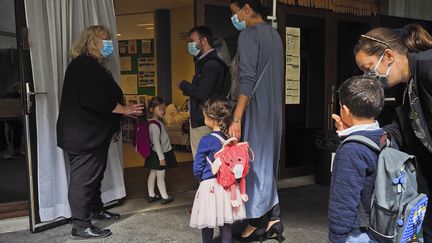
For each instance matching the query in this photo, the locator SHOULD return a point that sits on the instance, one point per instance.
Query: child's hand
(162, 162)
(339, 124)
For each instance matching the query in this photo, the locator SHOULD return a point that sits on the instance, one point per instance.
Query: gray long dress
(262, 126)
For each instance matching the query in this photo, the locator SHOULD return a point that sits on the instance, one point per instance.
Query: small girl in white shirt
(162, 156)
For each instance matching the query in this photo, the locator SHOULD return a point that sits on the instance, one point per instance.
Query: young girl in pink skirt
(212, 206)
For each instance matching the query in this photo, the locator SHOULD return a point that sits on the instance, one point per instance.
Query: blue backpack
(397, 209)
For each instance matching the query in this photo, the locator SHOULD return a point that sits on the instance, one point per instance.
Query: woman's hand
(133, 111)
(162, 162)
(339, 124)
(235, 130)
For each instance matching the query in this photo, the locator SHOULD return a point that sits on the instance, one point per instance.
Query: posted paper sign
(126, 63)
(128, 83)
(292, 71)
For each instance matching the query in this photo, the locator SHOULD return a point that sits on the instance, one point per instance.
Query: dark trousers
(273, 214)
(86, 174)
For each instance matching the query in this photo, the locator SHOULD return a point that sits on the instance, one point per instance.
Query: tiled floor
(178, 179)
(132, 159)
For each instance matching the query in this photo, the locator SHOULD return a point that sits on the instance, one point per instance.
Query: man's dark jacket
(209, 72)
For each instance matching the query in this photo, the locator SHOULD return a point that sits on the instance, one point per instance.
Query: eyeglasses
(376, 40)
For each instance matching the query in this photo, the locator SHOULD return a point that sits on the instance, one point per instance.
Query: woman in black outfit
(89, 118)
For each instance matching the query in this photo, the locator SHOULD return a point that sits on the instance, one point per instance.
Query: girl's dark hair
(256, 6)
(219, 109)
(376, 41)
(155, 101)
(416, 38)
(363, 95)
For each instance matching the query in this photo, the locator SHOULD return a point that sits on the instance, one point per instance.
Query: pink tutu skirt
(212, 206)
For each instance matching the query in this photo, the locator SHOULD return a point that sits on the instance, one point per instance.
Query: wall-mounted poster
(123, 47)
(128, 83)
(142, 64)
(292, 72)
(184, 35)
(125, 63)
(132, 47)
(146, 47)
(146, 72)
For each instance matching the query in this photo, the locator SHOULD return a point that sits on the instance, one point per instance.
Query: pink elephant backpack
(235, 164)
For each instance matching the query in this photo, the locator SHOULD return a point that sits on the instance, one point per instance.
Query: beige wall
(182, 63)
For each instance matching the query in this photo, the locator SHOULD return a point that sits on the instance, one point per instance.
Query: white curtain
(54, 25)
(415, 9)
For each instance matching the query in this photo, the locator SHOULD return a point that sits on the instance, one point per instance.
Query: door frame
(28, 107)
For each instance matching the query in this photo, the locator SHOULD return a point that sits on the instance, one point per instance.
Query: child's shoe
(153, 199)
(167, 200)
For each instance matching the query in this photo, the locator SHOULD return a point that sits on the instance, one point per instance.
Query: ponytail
(416, 38)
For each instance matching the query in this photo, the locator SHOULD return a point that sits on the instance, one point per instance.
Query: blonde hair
(86, 44)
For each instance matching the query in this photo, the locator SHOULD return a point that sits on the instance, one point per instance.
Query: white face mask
(383, 78)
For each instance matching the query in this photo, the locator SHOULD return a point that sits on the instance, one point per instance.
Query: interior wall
(183, 67)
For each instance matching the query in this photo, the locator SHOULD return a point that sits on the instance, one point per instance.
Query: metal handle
(29, 93)
(36, 93)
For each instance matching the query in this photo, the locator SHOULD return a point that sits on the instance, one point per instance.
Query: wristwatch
(237, 120)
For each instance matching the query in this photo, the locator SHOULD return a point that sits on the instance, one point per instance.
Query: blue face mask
(192, 49)
(239, 25)
(107, 48)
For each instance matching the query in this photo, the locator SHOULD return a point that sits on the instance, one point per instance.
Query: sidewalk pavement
(303, 212)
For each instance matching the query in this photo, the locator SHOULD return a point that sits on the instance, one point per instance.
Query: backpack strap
(364, 221)
(224, 67)
(218, 137)
(363, 140)
(260, 77)
(156, 123)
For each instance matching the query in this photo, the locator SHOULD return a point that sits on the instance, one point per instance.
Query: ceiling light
(118, 34)
(141, 25)
(150, 28)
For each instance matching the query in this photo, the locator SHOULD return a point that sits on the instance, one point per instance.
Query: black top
(208, 73)
(89, 96)
(401, 129)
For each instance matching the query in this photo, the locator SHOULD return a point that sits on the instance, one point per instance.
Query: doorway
(303, 117)
(17, 116)
(13, 163)
(152, 43)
